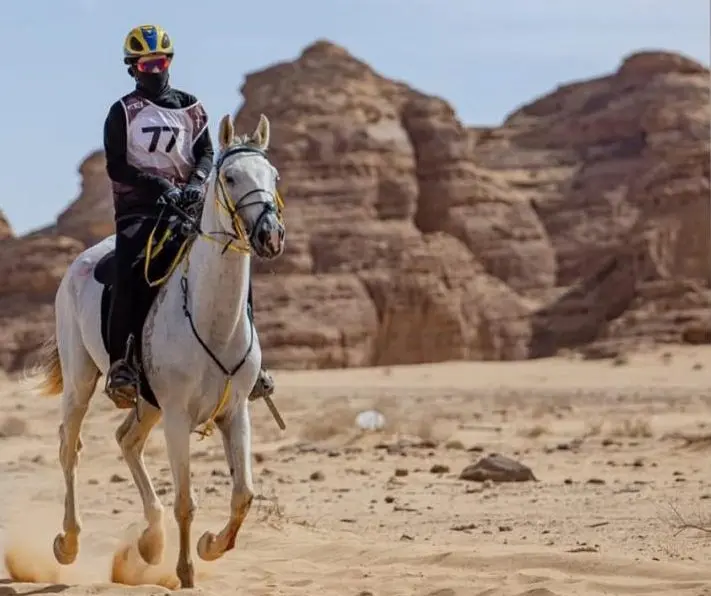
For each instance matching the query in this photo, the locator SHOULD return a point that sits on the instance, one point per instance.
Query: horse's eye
(229, 180)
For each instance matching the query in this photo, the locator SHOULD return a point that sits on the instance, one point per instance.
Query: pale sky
(62, 62)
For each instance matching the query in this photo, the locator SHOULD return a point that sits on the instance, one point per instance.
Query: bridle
(241, 239)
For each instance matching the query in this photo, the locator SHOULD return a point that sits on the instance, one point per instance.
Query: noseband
(240, 235)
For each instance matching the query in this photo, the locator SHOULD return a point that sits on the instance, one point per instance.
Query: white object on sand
(370, 420)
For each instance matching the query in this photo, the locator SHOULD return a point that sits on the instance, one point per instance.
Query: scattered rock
(463, 528)
(439, 469)
(317, 476)
(116, 478)
(497, 468)
(454, 444)
(400, 472)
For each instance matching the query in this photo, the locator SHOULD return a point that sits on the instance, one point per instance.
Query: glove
(171, 196)
(192, 193)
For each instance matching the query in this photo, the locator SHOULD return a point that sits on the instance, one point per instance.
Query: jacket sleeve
(203, 153)
(118, 169)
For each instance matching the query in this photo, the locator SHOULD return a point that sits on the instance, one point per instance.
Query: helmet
(145, 40)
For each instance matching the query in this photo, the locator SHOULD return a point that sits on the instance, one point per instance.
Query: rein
(238, 241)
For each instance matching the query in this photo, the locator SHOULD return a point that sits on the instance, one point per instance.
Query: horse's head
(250, 207)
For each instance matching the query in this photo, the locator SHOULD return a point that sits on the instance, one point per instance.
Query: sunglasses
(153, 64)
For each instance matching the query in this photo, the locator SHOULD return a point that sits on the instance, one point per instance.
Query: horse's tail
(50, 368)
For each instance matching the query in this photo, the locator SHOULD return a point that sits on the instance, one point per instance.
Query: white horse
(243, 209)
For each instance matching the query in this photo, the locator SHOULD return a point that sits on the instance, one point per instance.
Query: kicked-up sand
(620, 450)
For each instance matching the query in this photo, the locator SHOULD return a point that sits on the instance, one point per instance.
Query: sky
(62, 62)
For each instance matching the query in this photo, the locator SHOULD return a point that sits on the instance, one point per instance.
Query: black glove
(192, 193)
(171, 196)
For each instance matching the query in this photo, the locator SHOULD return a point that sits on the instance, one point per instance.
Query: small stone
(458, 445)
(497, 468)
(317, 476)
(389, 499)
(439, 469)
(400, 472)
(595, 481)
(116, 478)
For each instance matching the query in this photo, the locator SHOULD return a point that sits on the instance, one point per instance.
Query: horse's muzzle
(270, 238)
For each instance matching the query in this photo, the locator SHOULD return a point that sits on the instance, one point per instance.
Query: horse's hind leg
(80, 375)
(236, 438)
(131, 437)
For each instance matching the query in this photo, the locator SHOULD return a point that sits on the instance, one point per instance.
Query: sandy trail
(607, 443)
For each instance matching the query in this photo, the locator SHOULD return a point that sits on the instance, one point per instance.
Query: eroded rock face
(90, 217)
(411, 238)
(5, 229)
(31, 272)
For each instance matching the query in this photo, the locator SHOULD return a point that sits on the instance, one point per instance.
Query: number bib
(160, 140)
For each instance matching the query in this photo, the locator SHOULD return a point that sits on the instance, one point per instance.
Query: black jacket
(148, 187)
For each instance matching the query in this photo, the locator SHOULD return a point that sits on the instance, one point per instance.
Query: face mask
(152, 83)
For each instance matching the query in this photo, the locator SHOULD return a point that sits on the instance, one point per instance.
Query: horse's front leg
(131, 437)
(177, 438)
(236, 438)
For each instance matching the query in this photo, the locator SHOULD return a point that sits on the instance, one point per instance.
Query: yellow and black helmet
(145, 40)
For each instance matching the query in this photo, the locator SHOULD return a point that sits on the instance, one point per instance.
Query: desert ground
(619, 449)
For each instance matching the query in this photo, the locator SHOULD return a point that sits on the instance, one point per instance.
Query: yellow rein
(242, 247)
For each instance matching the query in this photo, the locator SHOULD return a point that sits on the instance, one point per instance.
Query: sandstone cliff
(583, 218)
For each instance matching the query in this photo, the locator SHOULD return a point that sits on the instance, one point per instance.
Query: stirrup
(122, 381)
(263, 387)
(122, 385)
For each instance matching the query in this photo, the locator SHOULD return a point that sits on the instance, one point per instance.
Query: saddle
(168, 241)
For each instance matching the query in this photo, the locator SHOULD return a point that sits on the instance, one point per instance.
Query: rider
(157, 144)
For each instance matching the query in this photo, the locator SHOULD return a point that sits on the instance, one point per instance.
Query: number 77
(156, 132)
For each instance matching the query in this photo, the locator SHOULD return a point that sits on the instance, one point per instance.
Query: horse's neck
(218, 283)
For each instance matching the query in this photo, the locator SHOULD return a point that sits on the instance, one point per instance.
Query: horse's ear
(227, 132)
(261, 133)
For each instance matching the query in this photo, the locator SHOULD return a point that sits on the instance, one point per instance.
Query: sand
(617, 447)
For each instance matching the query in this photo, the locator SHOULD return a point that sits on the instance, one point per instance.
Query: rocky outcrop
(90, 217)
(5, 229)
(30, 272)
(412, 238)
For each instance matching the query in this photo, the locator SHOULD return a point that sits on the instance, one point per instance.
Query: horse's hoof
(206, 547)
(63, 555)
(150, 546)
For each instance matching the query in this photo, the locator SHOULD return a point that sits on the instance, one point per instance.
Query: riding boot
(122, 380)
(122, 384)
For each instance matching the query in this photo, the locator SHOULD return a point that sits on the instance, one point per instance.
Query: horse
(197, 325)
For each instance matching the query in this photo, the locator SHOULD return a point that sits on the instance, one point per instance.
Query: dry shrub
(621, 359)
(632, 428)
(593, 428)
(535, 431)
(268, 508)
(332, 422)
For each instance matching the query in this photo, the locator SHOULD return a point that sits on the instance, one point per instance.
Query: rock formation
(412, 238)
